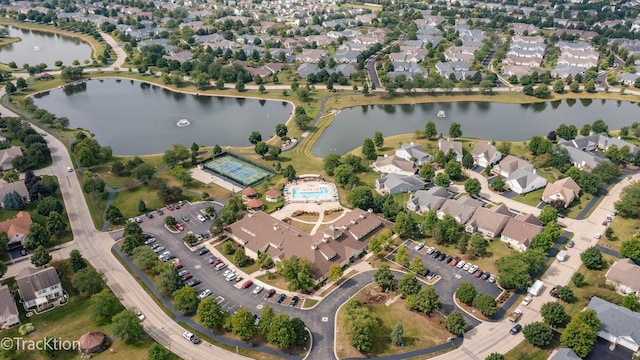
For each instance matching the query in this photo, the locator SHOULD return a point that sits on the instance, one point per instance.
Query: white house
(624, 274)
(396, 184)
(565, 190)
(394, 165)
(9, 315)
(414, 152)
(485, 154)
(39, 288)
(523, 181)
(447, 146)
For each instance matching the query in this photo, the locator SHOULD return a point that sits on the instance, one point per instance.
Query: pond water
(484, 120)
(43, 47)
(137, 118)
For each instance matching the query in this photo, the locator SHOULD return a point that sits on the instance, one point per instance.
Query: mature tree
(281, 332)
(381, 242)
(48, 204)
(553, 313)
(131, 242)
(185, 299)
(378, 139)
(404, 229)
(297, 272)
(430, 129)
(397, 335)
(159, 352)
(592, 258)
(599, 126)
(472, 187)
(455, 323)
(443, 180)
(88, 281)
(168, 279)
(360, 325)
(361, 197)
(177, 154)
(453, 169)
(113, 215)
(447, 230)
(13, 201)
(103, 305)
(261, 148)
(126, 325)
(417, 266)
(567, 132)
(628, 204)
(289, 172)
(486, 304)
(335, 272)
(498, 184)
(455, 130)
(631, 248)
(255, 137)
(76, 260)
(331, 162)
(281, 130)
(467, 161)
(578, 279)
(40, 257)
(466, 292)
(38, 236)
(579, 337)
(266, 316)
(538, 334)
(408, 285)
(239, 257)
(477, 246)
(369, 149)
(548, 214)
(630, 301)
(144, 257)
(427, 172)
(425, 301)
(565, 293)
(514, 272)
(242, 324)
(384, 278)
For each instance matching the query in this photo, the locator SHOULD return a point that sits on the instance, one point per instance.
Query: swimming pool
(323, 193)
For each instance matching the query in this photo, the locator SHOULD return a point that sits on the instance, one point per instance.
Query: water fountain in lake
(183, 123)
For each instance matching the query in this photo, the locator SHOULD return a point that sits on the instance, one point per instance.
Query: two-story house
(39, 288)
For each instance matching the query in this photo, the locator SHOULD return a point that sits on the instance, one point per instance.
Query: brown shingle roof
(249, 191)
(254, 204)
(625, 272)
(273, 193)
(521, 231)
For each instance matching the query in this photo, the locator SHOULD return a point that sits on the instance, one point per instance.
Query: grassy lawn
(526, 351)
(623, 229)
(532, 198)
(309, 303)
(274, 279)
(127, 201)
(307, 217)
(577, 205)
(333, 216)
(302, 226)
(251, 266)
(594, 286)
(419, 331)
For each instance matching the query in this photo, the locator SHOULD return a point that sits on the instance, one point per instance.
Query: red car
(478, 273)
(247, 284)
(178, 265)
(169, 207)
(455, 261)
(216, 262)
(187, 277)
(179, 227)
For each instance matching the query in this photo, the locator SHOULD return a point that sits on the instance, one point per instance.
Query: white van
(562, 255)
(187, 335)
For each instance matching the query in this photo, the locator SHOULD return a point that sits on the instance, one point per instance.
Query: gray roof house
(485, 154)
(306, 69)
(581, 159)
(39, 288)
(459, 69)
(522, 181)
(394, 165)
(7, 156)
(565, 354)
(510, 164)
(424, 200)
(618, 325)
(461, 209)
(345, 69)
(489, 222)
(447, 146)
(346, 56)
(9, 315)
(17, 186)
(414, 152)
(396, 184)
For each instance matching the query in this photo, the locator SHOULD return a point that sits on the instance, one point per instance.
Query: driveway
(601, 352)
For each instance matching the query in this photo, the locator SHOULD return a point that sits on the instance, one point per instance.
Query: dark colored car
(194, 282)
(435, 254)
(281, 298)
(196, 340)
(516, 329)
(203, 251)
(159, 211)
(268, 294)
(442, 256)
(448, 259)
(212, 260)
(185, 217)
(294, 301)
(149, 215)
(554, 291)
(485, 275)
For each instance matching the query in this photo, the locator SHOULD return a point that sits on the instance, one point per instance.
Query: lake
(43, 47)
(484, 120)
(137, 118)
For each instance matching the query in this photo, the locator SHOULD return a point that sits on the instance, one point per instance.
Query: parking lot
(449, 278)
(199, 266)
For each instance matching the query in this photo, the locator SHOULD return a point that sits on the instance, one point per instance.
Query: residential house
(17, 186)
(618, 325)
(485, 154)
(346, 56)
(459, 69)
(17, 228)
(407, 69)
(447, 146)
(396, 184)
(583, 160)
(624, 274)
(598, 142)
(565, 354)
(461, 209)
(510, 164)
(564, 189)
(394, 165)
(522, 181)
(7, 156)
(39, 288)
(424, 200)
(341, 242)
(520, 230)
(9, 315)
(521, 28)
(415, 153)
(311, 55)
(460, 53)
(489, 222)
(307, 69)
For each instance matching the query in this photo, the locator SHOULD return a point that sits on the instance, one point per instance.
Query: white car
(526, 301)
(461, 264)
(139, 314)
(204, 294)
(201, 218)
(69, 169)
(467, 266)
(257, 289)
(597, 236)
(418, 246)
(231, 276)
(227, 272)
(473, 269)
(430, 250)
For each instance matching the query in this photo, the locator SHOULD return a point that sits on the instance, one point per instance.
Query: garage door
(628, 343)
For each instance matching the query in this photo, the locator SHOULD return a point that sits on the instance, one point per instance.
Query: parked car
(554, 291)
(203, 251)
(435, 254)
(149, 241)
(204, 294)
(193, 282)
(418, 246)
(473, 269)
(515, 329)
(485, 276)
(212, 260)
(158, 249)
(227, 272)
(159, 211)
(187, 277)
(478, 273)
(221, 266)
(257, 290)
(442, 256)
(268, 294)
(231, 276)
(196, 340)
(597, 236)
(526, 301)
(281, 298)
(169, 207)
(185, 217)
(139, 314)
(183, 272)
(461, 264)
(216, 262)
(247, 284)
(294, 301)
(448, 259)
(201, 218)
(137, 219)
(467, 266)
(430, 250)
(179, 227)
(149, 215)
(431, 276)
(492, 279)
(571, 244)
(454, 261)
(178, 265)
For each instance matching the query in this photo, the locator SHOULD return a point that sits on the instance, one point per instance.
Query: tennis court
(237, 170)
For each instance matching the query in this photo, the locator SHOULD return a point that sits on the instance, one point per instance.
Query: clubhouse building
(341, 242)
